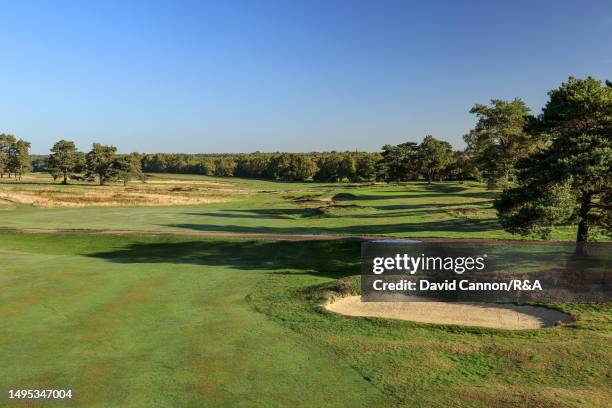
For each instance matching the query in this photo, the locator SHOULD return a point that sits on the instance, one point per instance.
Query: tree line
(14, 156)
(555, 168)
(432, 159)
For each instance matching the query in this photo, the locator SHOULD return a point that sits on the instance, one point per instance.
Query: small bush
(344, 287)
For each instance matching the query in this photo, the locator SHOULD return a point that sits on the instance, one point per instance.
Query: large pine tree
(570, 181)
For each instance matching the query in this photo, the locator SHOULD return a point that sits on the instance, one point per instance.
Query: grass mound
(344, 197)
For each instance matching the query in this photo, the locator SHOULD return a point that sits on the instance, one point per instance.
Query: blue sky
(232, 76)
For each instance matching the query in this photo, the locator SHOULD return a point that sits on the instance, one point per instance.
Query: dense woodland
(554, 168)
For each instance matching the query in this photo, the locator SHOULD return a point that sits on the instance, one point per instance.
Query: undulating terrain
(132, 321)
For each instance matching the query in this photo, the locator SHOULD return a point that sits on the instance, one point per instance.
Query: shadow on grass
(273, 213)
(417, 195)
(331, 259)
(452, 225)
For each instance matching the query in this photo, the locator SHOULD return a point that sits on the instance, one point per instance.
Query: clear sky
(229, 76)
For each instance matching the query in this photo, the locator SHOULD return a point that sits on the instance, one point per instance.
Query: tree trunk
(582, 236)
(65, 178)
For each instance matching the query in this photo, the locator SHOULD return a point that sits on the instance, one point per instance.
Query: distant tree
(498, 140)
(205, 166)
(303, 167)
(292, 167)
(39, 162)
(328, 167)
(6, 141)
(128, 167)
(346, 168)
(63, 159)
(99, 162)
(433, 157)
(461, 167)
(399, 163)
(80, 165)
(155, 163)
(365, 166)
(224, 167)
(3, 162)
(19, 160)
(571, 180)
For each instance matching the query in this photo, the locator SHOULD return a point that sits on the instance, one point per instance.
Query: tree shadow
(423, 206)
(331, 259)
(452, 225)
(272, 213)
(416, 195)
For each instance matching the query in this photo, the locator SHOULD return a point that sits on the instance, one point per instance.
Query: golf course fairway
(176, 321)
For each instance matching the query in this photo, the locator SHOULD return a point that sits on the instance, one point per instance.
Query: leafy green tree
(346, 168)
(63, 159)
(3, 162)
(99, 162)
(6, 141)
(80, 165)
(128, 167)
(328, 167)
(366, 165)
(19, 160)
(433, 157)
(498, 140)
(399, 163)
(461, 167)
(303, 167)
(571, 180)
(205, 166)
(292, 167)
(224, 167)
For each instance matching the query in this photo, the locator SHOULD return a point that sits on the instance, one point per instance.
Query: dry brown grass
(82, 196)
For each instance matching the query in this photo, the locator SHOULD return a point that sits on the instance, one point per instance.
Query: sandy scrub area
(506, 316)
(108, 196)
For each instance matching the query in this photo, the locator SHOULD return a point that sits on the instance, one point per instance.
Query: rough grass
(42, 192)
(428, 365)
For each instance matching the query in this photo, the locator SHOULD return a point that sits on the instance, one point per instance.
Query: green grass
(146, 321)
(408, 210)
(155, 328)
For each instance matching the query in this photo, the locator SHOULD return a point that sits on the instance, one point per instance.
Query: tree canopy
(571, 180)
(99, 162)
(63, 159)
(499, 139)
(433, 157)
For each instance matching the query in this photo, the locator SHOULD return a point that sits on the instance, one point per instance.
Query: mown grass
(145, 322)
(174, 321)
(253, 206)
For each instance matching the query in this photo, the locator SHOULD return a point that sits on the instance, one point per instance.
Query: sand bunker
(468, 314)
